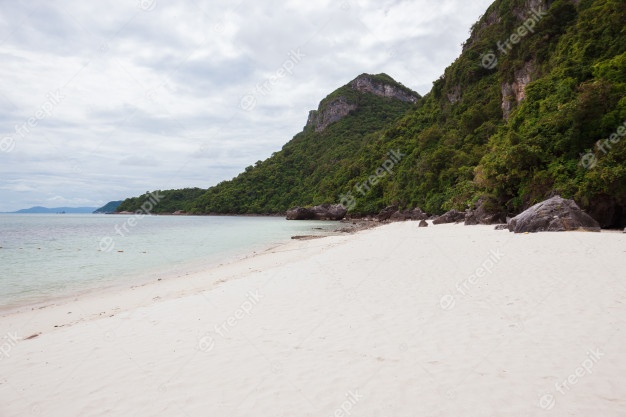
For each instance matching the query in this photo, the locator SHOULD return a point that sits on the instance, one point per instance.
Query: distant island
(109, 207)
(61, 210)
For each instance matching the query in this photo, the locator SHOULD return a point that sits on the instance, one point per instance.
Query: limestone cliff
(339, 104)
(515, 91)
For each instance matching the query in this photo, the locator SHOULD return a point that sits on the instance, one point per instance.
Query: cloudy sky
(105, 100)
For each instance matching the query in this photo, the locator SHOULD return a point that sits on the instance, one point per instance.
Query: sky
(101, 101)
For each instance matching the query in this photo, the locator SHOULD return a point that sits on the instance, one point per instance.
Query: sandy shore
(394, 321)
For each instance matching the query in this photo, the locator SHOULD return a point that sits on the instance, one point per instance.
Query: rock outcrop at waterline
(321, 212)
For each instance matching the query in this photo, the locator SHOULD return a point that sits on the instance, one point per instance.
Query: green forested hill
(535, 105)
(310, 169)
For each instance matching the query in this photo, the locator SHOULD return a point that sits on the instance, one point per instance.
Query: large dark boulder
(321, 212)
(553, 215)
(300, 213)
(386, 213)
(452, 216)
(329, 212)
(484, 213)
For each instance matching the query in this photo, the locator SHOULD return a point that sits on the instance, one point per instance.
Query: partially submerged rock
(452, 216)
(300, 213)
(502, 227)
(329, 212)
(321, 212)
(553, 215)
(423, 223)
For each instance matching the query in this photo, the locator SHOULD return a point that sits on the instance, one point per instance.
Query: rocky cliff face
(365, 83)
(514, 92)
(331, 111)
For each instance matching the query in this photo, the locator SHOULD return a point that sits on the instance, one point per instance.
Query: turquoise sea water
(49, 255)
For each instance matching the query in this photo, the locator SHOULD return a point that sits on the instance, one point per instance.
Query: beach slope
(394, 321)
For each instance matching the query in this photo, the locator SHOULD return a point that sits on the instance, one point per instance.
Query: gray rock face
(367, 84)
(502, 227)
(329, 212)
(452, 216)
(553, 215)
(322, 212)
(340, 107)
(424, 223)
(333, 112)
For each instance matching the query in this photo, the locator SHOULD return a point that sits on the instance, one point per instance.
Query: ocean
(43, 256)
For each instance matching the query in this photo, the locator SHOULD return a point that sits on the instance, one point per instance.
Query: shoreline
(98, 298)
(129, 280)
(448, 314)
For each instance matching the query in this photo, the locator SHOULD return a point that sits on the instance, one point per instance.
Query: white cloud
(152, 99)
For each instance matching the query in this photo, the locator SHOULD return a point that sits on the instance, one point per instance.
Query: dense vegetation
(464, 141)
(308, 170)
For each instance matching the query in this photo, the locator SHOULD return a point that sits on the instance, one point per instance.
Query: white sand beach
(395, 321)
